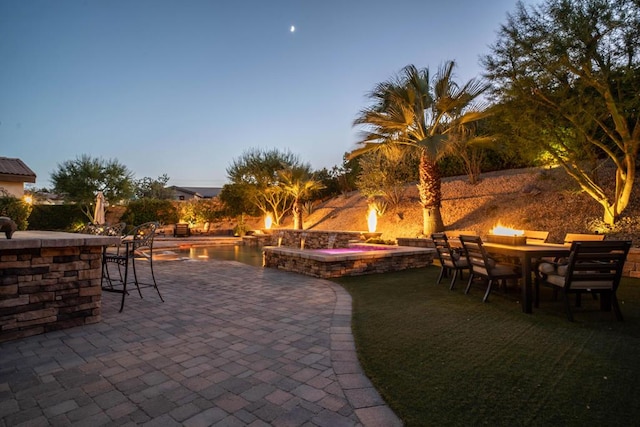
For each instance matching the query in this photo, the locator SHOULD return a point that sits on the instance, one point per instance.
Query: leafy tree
(80, 180)
(412, 112)
(153, 188)
(385, 173)
(567, 78)
(258, 173)
(237, 200)
(470, 149)
(339, 179)
(209, 210)
(200, 210)
(300, 185)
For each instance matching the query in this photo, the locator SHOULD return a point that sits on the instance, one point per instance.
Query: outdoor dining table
(527, 254)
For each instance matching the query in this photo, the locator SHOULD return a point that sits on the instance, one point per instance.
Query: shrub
(146, 210)
(57, 217)
(16, 209)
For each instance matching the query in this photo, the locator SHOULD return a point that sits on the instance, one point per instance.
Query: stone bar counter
(49, 281)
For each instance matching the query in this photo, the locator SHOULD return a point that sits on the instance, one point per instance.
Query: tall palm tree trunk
(430, 191)
(297, 216)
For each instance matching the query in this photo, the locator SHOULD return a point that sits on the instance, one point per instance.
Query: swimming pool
(244, 254)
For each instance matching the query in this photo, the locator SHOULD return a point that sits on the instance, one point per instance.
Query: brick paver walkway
(233, 345)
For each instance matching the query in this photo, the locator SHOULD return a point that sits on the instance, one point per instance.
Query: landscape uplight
(372, 220)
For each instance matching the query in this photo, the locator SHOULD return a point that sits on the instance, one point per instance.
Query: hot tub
(354, 260)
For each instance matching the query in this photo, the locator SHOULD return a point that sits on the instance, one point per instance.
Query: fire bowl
(507, 240)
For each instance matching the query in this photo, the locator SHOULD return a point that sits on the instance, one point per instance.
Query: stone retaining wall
(632, 266)
(313, 239)
(415, 242)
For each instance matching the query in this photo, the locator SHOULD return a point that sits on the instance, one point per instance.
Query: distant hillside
(534, 199)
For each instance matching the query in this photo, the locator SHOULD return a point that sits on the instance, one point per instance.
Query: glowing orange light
(28, 200)
(501, 230)
(268, 222)
(372, 220)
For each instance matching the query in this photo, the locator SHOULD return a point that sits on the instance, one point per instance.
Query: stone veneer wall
(632, 266)
(49, 288)
(313, 239)
(415, 242)
(348, 265)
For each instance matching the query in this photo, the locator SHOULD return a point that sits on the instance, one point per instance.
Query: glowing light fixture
(268, 221)
(372, 220)
(28, 200)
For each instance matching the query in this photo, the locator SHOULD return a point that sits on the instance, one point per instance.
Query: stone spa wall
(368, 260)
(313, 239)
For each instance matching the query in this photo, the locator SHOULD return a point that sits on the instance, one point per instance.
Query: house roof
(204, 192)
(14, 170)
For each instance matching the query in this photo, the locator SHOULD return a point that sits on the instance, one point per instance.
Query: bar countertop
(53, 239)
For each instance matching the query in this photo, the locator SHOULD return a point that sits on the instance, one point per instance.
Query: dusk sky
(184, 87)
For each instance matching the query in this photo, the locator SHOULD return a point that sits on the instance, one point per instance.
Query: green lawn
(440, 357)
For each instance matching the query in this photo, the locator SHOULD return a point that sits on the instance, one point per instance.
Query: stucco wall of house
(15, 189)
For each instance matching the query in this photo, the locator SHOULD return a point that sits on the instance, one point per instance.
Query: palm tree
(410, 112)
(299, 185)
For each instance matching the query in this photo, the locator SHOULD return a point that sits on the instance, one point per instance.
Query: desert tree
(386, 173)
(300, 185)
(79, 180)
(566, 76)
(257, 174)
(150, 188)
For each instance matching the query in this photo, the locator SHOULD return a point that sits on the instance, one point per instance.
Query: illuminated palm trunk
(430, 191)
(297, 216)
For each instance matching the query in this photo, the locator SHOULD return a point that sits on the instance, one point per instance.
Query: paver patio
(232, 345)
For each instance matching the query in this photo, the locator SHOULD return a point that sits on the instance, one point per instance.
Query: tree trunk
(430, 191)
(609, 218)
(432, 221)
(297, 216)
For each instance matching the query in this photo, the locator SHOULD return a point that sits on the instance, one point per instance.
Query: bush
(15, 209)
(493, 160)
(57, 217)
(146, 210)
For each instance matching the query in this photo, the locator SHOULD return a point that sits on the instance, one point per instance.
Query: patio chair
(104, 230)
(450, 259)
(115, 230)
(569, 238)
(138, 244)
(536, 236)
(546, 265)
(593, 267)
(181, 230)
(485, 267)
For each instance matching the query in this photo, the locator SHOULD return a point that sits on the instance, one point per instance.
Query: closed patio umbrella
(98, 214)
